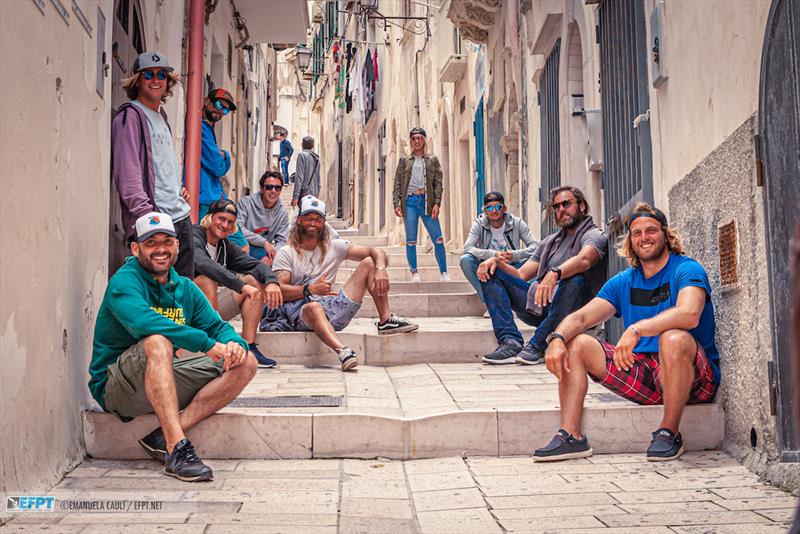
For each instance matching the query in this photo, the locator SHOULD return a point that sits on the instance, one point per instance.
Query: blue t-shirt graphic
(635, 297)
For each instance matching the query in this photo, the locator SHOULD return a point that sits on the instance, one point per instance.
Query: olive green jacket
(433, 182)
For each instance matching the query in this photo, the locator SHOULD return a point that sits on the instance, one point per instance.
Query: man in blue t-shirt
(666, 354)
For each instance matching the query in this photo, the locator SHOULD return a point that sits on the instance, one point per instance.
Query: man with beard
(233, 281)
(306, 269)
(567, 270)
(666, 354)
(215, 162)
(147, 313)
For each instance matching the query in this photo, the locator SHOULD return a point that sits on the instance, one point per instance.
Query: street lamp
(303, 57)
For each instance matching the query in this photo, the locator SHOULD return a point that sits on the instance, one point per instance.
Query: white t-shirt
(498, 238)
(212, 251)
(417, 180)
(308, 266)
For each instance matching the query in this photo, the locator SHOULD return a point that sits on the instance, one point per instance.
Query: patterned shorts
(642, 383)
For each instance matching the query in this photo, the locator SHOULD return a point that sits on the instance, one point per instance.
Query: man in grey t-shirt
(567, 270)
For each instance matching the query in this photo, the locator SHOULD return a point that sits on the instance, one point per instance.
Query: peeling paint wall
(53, 243)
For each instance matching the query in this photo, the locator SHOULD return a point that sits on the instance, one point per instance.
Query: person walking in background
(495, 234)
(215, 162)
(306, 173)
(144, 165)
(285, 155)
(417, 194)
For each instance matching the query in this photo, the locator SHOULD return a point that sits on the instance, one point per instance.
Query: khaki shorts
(226, 299)
(125, 394)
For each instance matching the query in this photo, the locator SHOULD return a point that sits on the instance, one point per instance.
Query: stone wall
(720, 189)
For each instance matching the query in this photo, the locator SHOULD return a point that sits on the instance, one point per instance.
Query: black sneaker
(184, 464)
(348, 358)
(530, 355)
(665, 446)
(505, 353)
(155, 445)
(395, 325)
(263, 361)
(563, 447)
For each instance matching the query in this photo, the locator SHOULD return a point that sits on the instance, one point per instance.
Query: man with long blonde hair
(666, 354)
(306, 269)
(144, 165)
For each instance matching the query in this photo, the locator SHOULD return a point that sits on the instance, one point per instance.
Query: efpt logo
(30, 503)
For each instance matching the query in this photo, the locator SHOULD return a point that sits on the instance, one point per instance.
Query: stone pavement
(703, 492)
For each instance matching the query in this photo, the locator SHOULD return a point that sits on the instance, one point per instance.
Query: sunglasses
(493, 207)
(565, 204)
(220, 106)
(161, 74)
(268, 187)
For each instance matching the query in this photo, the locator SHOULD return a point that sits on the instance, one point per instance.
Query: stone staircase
(418, 395)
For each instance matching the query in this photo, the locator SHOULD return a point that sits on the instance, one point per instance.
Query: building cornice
(474, 18)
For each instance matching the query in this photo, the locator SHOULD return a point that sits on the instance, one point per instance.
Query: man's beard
(147, 265)
(208, 116)
(655, 254)
(309, 233)
(571, 223)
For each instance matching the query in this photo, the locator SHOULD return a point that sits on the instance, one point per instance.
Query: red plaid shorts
(642, 383)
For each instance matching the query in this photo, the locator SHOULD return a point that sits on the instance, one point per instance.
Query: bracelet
(635, 330)
(306, 291)
(554, 335)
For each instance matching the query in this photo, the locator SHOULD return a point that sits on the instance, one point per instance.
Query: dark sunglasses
(161, 74)
(220, 106)
(565, 204)
(267, 187)
(494, 207)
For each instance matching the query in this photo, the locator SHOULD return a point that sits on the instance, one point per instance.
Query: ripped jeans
(415, 210)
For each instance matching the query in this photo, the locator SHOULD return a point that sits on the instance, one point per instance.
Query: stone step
(402, 274)
(410, 412)
(423, 260)
(339, 224)
(405, 287)
(369, 240)
(438, 340)
(420, 305)
(347, 233)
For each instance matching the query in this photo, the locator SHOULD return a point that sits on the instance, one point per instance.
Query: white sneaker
(445, 278)
(415, 278)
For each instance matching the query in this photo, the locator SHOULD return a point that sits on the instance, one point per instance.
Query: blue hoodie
(213, 166)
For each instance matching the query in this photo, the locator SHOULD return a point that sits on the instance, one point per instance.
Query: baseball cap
(149, 60)
(655, 213)
(225, 205)
(417, 130)
(154, 223)
(493, 196)
(311, 204)
(222, 94)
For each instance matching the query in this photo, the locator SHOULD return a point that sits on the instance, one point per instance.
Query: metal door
(480, 161)
(128, 42)
(627, 176)
(779, 129)
(549, 134)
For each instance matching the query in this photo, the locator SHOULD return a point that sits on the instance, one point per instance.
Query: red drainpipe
(194, 102)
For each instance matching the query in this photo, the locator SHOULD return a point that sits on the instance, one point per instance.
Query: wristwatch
(552, 336)
(306, 291)
(556, 270)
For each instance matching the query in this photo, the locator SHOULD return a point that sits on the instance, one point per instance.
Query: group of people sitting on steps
(162, 344)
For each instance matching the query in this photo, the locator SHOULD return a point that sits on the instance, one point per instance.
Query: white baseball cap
(311, 204)
(154, 223)
(149, 60)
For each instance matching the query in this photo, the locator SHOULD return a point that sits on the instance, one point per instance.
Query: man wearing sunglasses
(215, 162)
(263, 219)
(144, 166)
(566, 270)
(496, 233)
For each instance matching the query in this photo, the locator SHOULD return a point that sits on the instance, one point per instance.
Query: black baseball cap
(655, 213)
(493, 196)
(417, 130)
(225, 205)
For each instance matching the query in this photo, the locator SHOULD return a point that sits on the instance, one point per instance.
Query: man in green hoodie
(148, 312)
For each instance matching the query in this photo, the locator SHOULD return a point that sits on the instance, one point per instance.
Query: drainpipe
(194, 102)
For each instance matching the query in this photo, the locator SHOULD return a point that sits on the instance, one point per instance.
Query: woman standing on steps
(417, 193)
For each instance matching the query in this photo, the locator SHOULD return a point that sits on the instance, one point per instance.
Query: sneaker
(415, 278)
(395, 325)
(530, 355)
(505, 353)
(263, 361)
(184, 464)
(445, 277)
(563, 447)
(348, 358)
(486, 315)
(155, 445)
(665, 446)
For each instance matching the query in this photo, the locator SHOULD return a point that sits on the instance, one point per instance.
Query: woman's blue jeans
(415, 210)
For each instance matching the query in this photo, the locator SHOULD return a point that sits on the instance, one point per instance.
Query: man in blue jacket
(285, 155)
(215, 162)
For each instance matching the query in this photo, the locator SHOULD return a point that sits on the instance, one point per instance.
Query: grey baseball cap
(149, 60)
